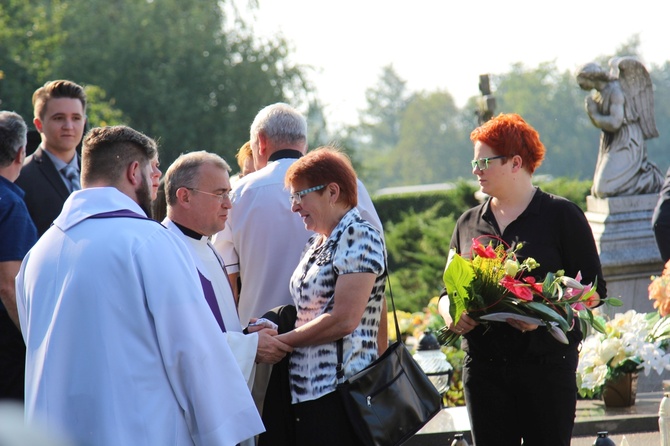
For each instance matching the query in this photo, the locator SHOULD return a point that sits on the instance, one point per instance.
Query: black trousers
(510, 401)
(323, 422)
(277, 408)
(12, 359)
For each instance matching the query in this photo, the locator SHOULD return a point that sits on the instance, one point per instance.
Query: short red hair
(326, 165)
(509, 135)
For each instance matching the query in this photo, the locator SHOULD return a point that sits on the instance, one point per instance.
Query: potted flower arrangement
(631, 342)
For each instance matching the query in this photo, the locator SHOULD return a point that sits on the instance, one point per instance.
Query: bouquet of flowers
(491, 287)
(631, 341)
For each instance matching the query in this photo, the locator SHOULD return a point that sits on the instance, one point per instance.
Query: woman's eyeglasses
(483, 163)
(296, 197)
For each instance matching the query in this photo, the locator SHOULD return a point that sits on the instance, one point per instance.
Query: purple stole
(120, 213)
(210, 297)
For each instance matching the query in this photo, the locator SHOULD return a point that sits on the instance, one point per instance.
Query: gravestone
(629, 257)
(628, 253)
(625, 185)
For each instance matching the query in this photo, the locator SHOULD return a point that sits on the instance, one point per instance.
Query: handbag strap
(340, 342)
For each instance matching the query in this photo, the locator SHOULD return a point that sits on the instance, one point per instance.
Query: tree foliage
(433, 144)
(658, 149)
(552, 103)
(387, 102)
(171, 67)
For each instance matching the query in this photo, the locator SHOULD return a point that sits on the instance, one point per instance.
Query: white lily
(571, 283)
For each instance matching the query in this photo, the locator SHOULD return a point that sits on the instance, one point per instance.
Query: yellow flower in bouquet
(659, 291)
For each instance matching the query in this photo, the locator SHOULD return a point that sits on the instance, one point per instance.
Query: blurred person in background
(17, 236)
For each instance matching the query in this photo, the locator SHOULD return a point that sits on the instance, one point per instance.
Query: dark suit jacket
(45, 190)
(660, 221)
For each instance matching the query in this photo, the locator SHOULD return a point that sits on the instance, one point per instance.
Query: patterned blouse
(354, 246)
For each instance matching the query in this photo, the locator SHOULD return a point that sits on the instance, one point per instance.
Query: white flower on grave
(608, 349)
(632, 342)
(654, 358)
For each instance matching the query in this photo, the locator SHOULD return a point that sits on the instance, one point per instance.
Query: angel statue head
(622, 107)
(591, 73)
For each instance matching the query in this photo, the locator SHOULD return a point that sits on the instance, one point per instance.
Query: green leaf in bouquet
(546, 313)
(447, 337)
(458, 276)
(598, 324)
(569, 314)
(549, 287)
(584, 326)
(614, 302)
(510, 305)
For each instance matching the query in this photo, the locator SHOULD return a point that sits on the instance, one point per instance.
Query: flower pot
(620, 391)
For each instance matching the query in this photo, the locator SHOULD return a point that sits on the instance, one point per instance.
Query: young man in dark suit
(51, 173)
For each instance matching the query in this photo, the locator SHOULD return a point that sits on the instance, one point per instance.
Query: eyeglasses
(296, 197)
(483, 163)
(221, 197)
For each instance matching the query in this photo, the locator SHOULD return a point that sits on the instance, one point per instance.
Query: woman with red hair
(338, 291)
(519, 381)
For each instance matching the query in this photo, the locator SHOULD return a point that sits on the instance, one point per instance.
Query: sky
(446, 44)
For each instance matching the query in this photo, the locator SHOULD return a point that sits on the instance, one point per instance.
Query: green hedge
(394, 208)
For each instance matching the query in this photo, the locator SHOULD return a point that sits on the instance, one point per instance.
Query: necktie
(72, 175)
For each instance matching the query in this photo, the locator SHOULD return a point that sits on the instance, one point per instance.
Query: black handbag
(391, 399)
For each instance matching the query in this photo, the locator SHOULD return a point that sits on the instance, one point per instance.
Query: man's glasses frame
(296, 197)
(483, 163)
(221, 196)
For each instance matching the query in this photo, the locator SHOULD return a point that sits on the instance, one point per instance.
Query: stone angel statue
(622, 106)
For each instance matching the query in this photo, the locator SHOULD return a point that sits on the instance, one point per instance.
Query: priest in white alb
(197, 189)
(121, 345)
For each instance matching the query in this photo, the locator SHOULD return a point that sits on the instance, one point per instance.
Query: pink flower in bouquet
(574, 287)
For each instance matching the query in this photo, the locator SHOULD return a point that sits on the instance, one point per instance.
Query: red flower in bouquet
(519, 287)
(485, 252)
(494, 282)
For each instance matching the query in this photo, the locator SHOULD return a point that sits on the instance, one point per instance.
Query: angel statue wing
(638, 90)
